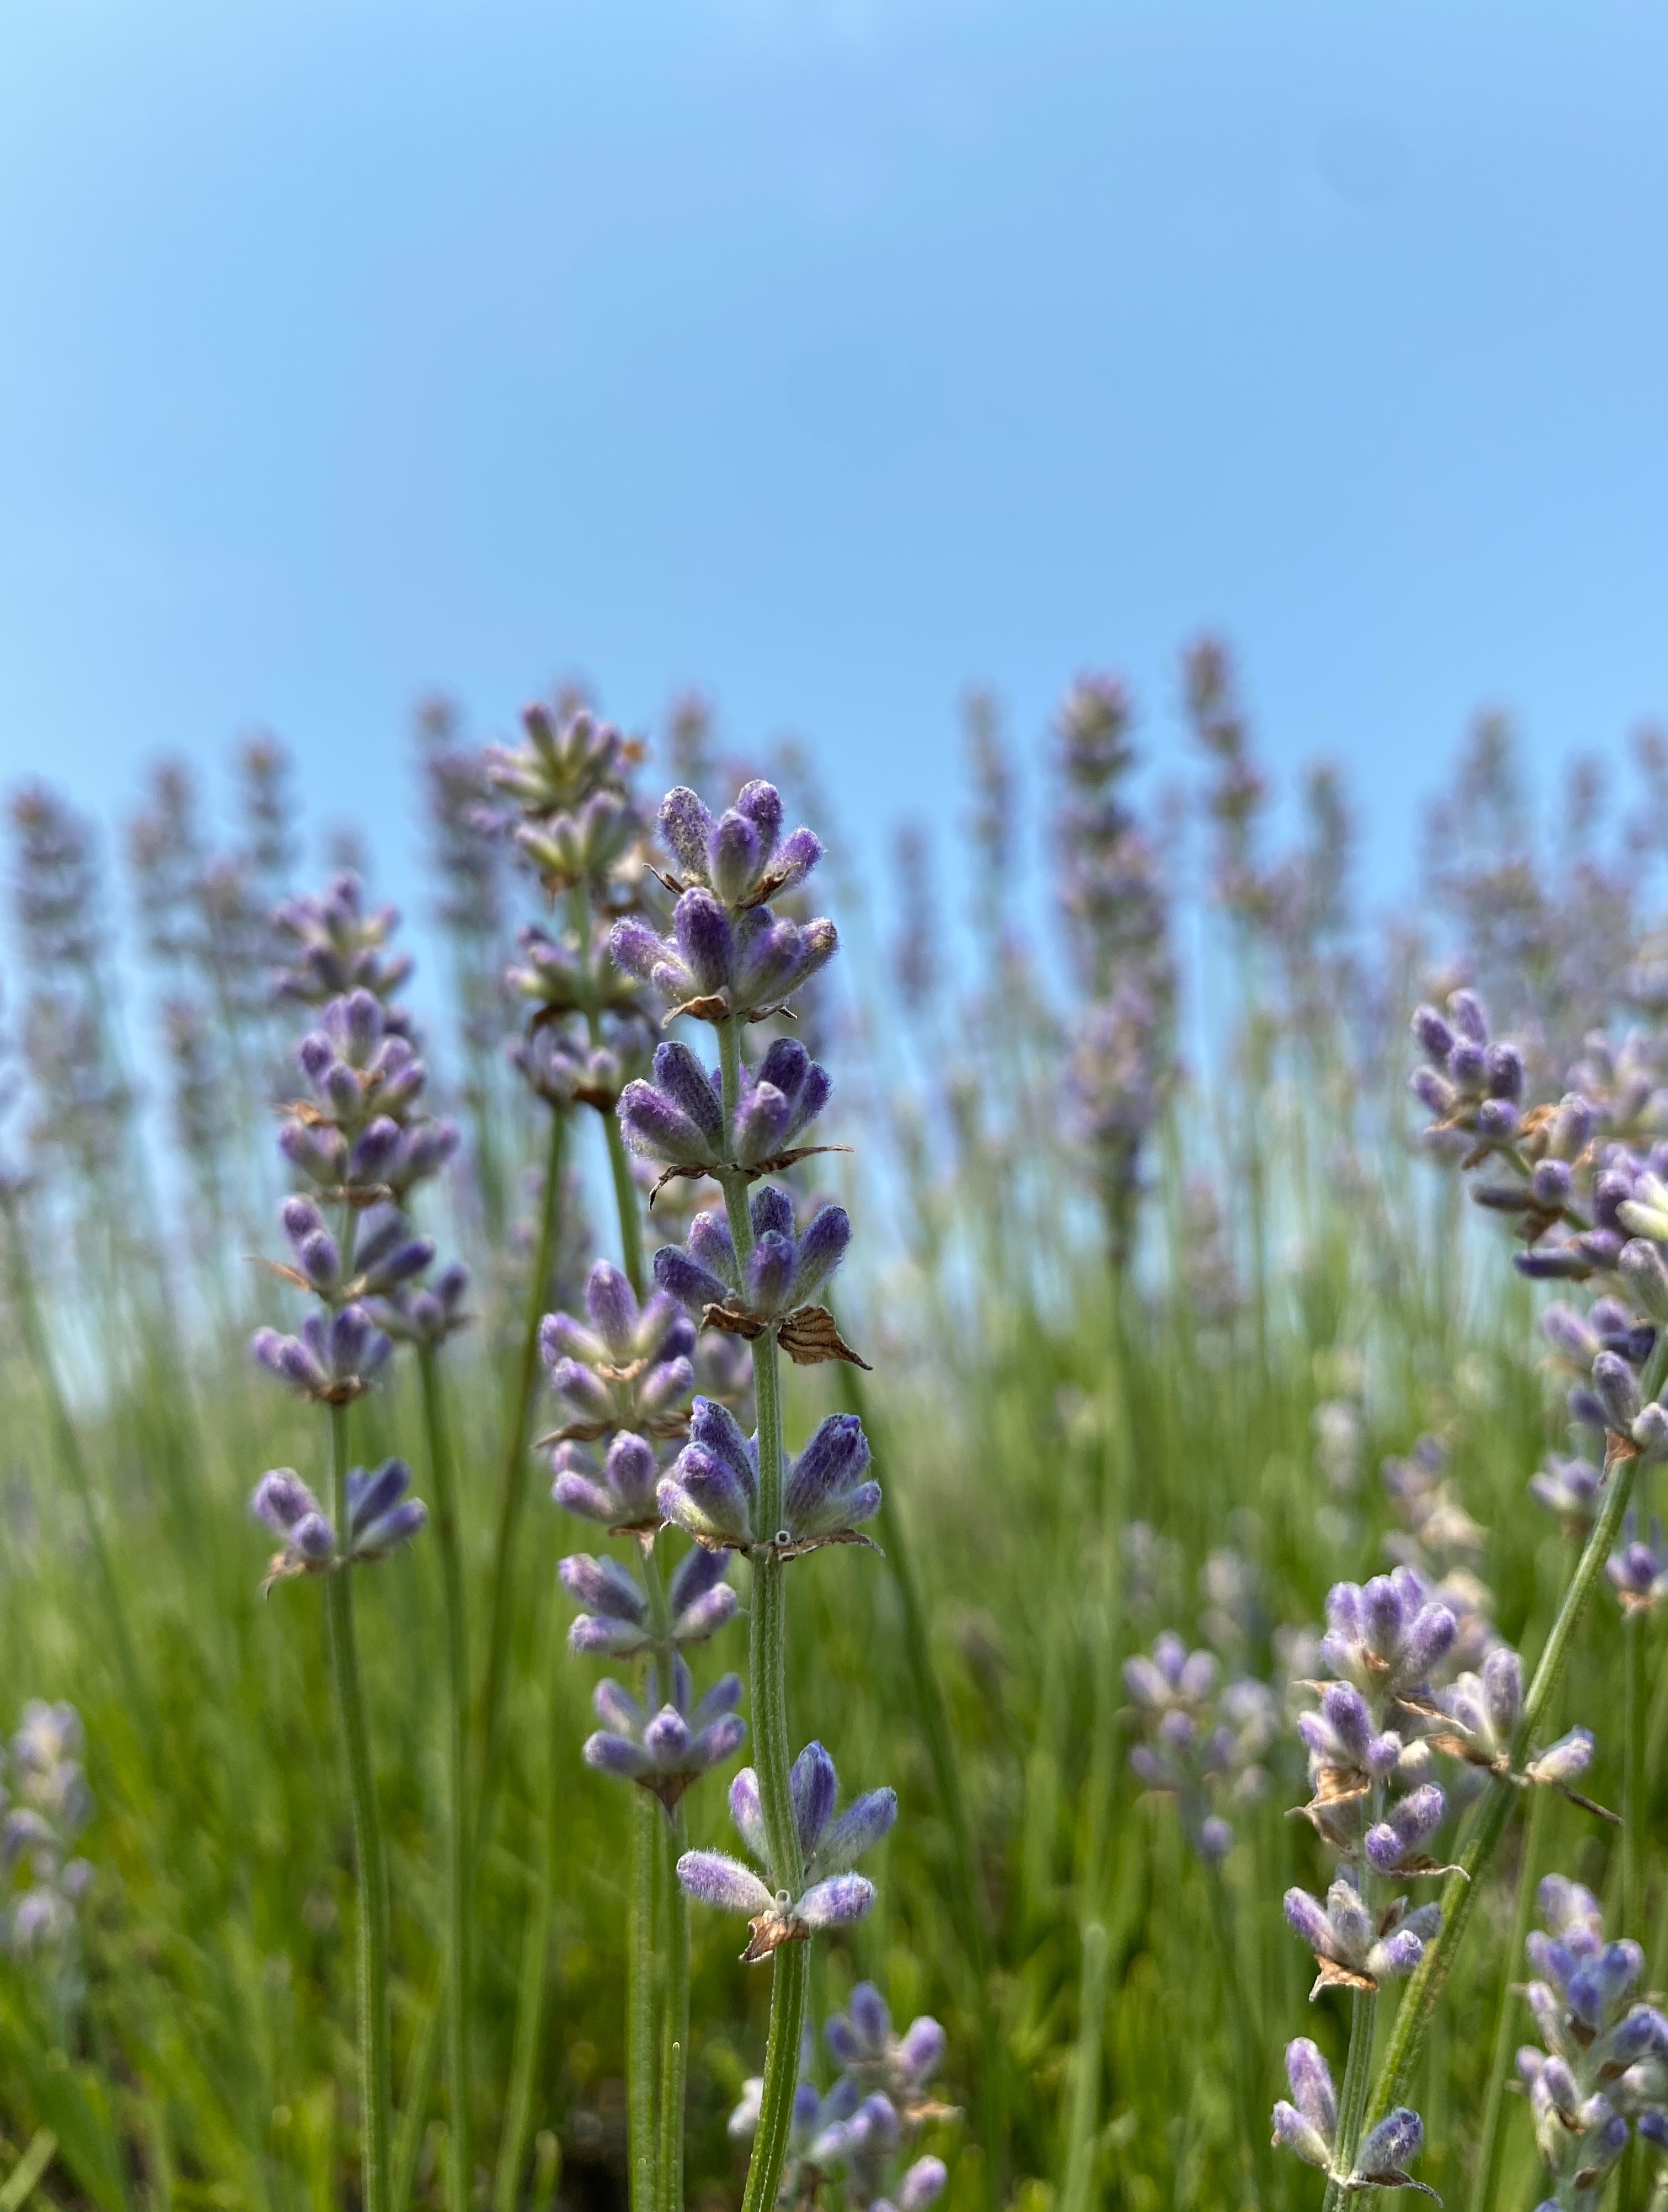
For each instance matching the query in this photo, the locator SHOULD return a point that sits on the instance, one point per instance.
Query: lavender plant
(358, 1142)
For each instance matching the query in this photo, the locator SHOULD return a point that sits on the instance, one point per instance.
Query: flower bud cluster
(1202, 1742)
(831, 1895)
(43, 1812)
(334, 944)
(1602, 2057)
(856, 2134)
(379, 1516)
(1308, 2127)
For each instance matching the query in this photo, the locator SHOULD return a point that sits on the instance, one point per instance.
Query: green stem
(1460, 1891)
(535, 1954)
(1485, 2175)
(674, 2043)
(1251, 2107)
(1632, 1772)
(513, 1479)
(767, 1658)
(1357, 2069)
(371, 1933)
(966, 1912)
(640, 2002)
(460, 1963)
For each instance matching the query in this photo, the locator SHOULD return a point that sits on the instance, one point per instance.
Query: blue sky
(829, 354)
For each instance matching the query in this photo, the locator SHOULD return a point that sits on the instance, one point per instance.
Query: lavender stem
(767, 1659)
(460, 1963)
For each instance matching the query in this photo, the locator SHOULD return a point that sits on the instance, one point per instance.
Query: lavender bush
(965, 1597)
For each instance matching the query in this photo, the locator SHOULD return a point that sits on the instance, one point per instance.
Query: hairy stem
(767, 1664)
(1632, 1770)
(674, 2041)
(1485, 2175)
(640, 2053)
(1357, 2069)
(1460, 1891)
(370, 1865)
(460, 1932)
(535, 1954)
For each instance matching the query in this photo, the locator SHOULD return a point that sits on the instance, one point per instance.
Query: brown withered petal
(797, 1551)
(1392, 2177)
(1462, 1746)
(1417, 1863)
(769, 1932)
(341, 1394)
(714, 1007)
(1332, 1976)
(577, 1432)
(809, 1336)
(285, 1273)
(668, 1788)
(1333, 1784)
(1589, 1805)
(735, 1321)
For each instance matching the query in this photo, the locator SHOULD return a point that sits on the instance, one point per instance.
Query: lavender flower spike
(720, 971)
(1385, 1636)
(677, 1117)
(833, 1896)
(1308, 2127)
(698, 1598)
(712, 1491)
(787, 1267)
(665, 1750)
(743, 857)
(1354, 1948)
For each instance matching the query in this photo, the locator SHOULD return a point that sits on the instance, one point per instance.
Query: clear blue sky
(829, 353)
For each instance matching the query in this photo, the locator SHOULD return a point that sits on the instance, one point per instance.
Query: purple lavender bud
(1553, 1185)
(1497, 1120)
(835, 1903)
(1392, 2145)
(815, 1788)
(1469, 1015)
(770, 1273)
(706, 940)
(759, 804)
(1502, 1692)
(604, 1586)
(924, 2182)
(635, 947)
(1433, 1092)
(687, 827)
(1214, 1839)
(921, 2048)
(736, 852)
(1411, 1819)
(1429, 1640)
(1505, 1073)
(825, 1490)
(1564, 1761)
(1435, 1038)
(715, 1879)
(655, 1129)
(379, 1515)
(1345, 1712)
(1307, 1915)
(300, 1218)
(685, 1280)
(821, 1249)
(1617, 1388)
(1646, 1273)
(289, 1360)
(610, 1304)
(1293, 2133)
(763, 1120)
(1468, 1067)
(1311, 2080)
(865, 1822)
(748, 1814)
(284, 1501)
(1399, 1953)
(681, 1077)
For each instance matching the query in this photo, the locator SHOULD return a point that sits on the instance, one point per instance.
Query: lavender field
(688, 1531)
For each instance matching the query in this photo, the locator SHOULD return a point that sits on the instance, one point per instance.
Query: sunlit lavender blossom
(1308, 2128)
(380, 1518)
(830, 1846)
(1602, 2058)
(699, 1602)
(625, 1366)
(712, 1490)
(665, 1748)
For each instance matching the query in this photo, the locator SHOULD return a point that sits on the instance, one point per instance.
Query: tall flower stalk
(729, 961)
(358, 1143)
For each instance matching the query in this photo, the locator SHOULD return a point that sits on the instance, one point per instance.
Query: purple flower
(665, 1749)
(560, 975)
(1638, 1572)
(1394, 1844)
(1385, 1636)
(712, 1490)
(379, 1515)
(625, 1366)
(833, 1896)
(619, 1492)
(563, 763)
(334, 944)
(787, 1267)
(872, 2057)
(332, 1360)
(1309, 2124)
(678, 1117)
(699, 1602)
(425, 1313)
(1354, 1947)
(742, 857)
(1569, 1488)
(723, 969)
